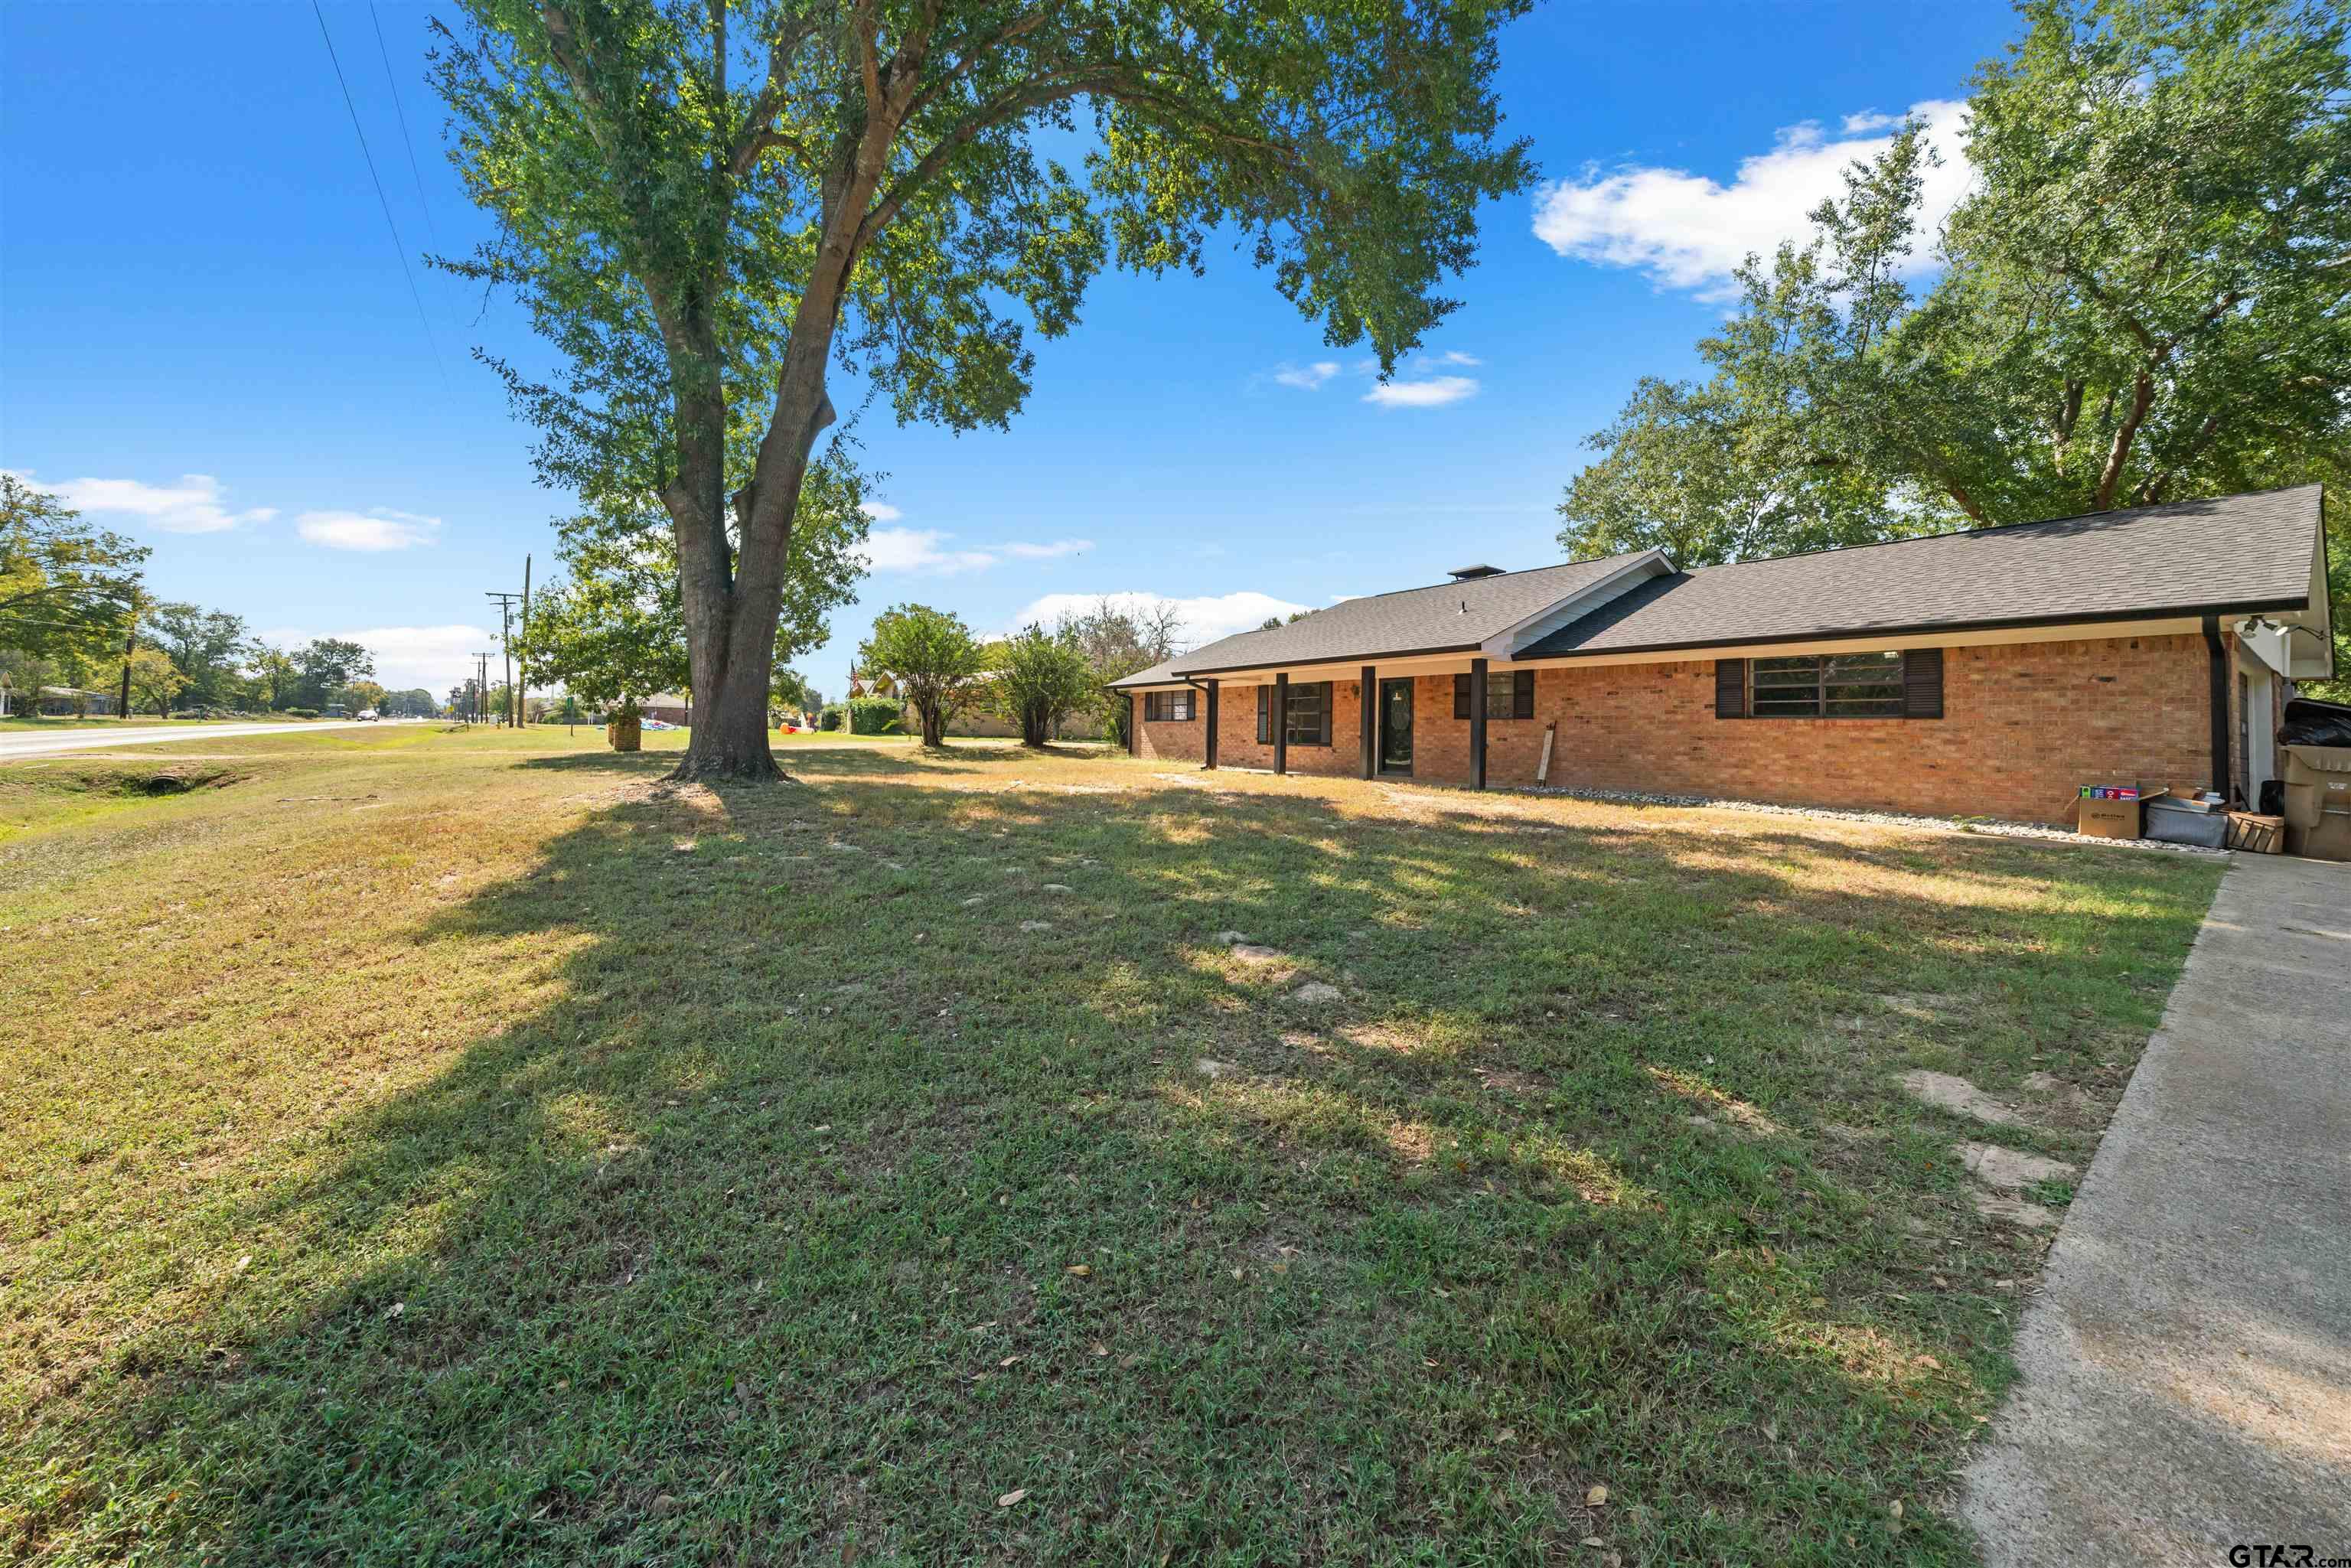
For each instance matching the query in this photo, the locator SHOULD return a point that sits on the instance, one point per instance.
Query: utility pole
(505, 645)
(522, 668)
(481, 687)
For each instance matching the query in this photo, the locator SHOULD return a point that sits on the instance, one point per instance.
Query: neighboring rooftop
(2231, 554)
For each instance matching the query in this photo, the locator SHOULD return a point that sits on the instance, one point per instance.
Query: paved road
(16, 743)
(2188, 1362)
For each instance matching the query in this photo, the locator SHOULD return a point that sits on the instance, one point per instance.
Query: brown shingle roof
(2233, 553)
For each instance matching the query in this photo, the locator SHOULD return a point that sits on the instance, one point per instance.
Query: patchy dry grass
(458, 1148)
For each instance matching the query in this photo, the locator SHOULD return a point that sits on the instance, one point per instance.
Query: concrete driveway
(35, 743)
(2187, 1361)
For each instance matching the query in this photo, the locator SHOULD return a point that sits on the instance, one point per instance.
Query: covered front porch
(1439, 719)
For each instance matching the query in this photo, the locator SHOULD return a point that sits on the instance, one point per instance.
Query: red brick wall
(2024, 725)
(1186, 741)
(1236, 743)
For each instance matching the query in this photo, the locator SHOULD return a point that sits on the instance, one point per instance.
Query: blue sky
(206, 339)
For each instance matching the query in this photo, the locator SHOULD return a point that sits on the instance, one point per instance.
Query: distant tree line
(75, 614)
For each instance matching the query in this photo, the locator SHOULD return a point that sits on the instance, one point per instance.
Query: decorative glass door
(1396, 726)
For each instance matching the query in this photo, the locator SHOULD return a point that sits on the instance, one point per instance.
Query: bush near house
(867, 715)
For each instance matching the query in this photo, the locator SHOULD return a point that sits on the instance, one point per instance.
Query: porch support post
(1281, 723)
(1477, 724)
(1210, 750)
(1371, 720)
(1134, 724)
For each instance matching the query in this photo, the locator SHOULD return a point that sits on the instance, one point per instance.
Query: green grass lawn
(458, 1147)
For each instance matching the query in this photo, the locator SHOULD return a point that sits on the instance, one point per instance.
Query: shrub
(301, 713)
(867, 716)
(873, 715)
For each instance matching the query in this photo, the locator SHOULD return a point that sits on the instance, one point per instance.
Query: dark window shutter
(1522, 694)
(1730, 688)
(1460, 696)
(1922, 683)
(1265, 716)
(1330, 690)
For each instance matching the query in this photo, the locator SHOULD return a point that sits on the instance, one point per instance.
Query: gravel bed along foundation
(1884, 819)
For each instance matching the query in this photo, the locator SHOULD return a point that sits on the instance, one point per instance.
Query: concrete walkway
(2187, 1362)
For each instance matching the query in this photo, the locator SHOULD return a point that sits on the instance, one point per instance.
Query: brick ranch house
(1985, 673)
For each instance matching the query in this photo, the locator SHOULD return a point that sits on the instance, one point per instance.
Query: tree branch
(2142, 399)
(759, 125)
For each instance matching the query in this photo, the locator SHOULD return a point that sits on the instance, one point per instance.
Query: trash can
(2318, 801)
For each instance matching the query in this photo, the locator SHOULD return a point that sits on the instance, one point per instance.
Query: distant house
(1989, 672)
(670, 708)
(67, 702)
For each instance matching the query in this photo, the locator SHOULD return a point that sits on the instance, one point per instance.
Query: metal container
(2175, 822)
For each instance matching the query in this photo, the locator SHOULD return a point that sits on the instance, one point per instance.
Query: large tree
(614, 629)
(2143, 298)
(1120, 634)
(325, 665)
(154, 680)
(207, 646)
(930, 657)
(67, 592)
(1037, 678)
(707, 206)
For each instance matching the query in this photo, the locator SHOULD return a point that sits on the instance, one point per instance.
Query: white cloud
(1048, 551)
(434, 657)
(1434, 392)
(1687, 231)
(376, 528)
(918, 550)
(926, 549)
(1306, 378)
(1456, 357)
(193, 505)
(881, 512)
(1203, 619)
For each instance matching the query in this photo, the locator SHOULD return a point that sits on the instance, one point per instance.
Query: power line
(406, 140)
(399, 248)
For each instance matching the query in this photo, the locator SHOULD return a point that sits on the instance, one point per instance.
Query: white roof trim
(1592, 596)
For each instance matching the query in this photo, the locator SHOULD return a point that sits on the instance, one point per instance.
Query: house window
(1309, 714)
(1510, 693)
(1827, 685)
(1167, 708)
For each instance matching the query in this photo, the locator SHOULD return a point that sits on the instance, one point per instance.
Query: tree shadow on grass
(855, 1179)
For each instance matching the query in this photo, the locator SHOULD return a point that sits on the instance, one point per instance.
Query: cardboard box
(2256, 834)
(2110, 811)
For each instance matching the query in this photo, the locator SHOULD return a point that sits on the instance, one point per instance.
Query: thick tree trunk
(731, 604)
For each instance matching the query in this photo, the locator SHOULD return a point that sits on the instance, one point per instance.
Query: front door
(1396, 726)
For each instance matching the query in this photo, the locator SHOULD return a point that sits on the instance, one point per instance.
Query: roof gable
(1443, 618)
